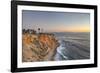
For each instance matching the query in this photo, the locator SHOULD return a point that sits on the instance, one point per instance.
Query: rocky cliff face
(38, 47)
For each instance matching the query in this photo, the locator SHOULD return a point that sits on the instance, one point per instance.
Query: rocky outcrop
(38, 47)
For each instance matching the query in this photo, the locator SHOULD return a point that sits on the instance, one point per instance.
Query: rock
(38, 47)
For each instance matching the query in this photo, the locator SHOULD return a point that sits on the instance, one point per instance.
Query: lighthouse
(38, 30)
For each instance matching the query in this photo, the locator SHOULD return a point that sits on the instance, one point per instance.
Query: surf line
(60, 50)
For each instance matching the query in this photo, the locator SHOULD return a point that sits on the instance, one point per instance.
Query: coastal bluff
(38, 47)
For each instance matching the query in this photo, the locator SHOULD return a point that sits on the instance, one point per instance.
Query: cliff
(38, 47)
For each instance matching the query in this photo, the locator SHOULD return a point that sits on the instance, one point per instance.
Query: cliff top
(39, 46)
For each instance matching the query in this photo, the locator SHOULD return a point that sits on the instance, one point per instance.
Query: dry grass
(38, 47)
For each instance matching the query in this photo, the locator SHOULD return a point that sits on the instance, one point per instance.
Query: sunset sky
(56, 21)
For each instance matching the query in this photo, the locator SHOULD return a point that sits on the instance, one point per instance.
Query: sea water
(73, 46)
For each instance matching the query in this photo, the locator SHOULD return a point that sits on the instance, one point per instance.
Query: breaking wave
(73, 49)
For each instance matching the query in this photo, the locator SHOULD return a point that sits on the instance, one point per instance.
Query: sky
(51, 21)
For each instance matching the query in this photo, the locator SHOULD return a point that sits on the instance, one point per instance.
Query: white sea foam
(60, 50)
(76, 47)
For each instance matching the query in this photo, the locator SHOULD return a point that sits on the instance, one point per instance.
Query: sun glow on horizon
(71, 29)
(56, 21)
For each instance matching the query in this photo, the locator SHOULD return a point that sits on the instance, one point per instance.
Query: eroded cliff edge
(38, 47)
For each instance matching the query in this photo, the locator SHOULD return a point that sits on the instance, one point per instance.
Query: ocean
(73, 46)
